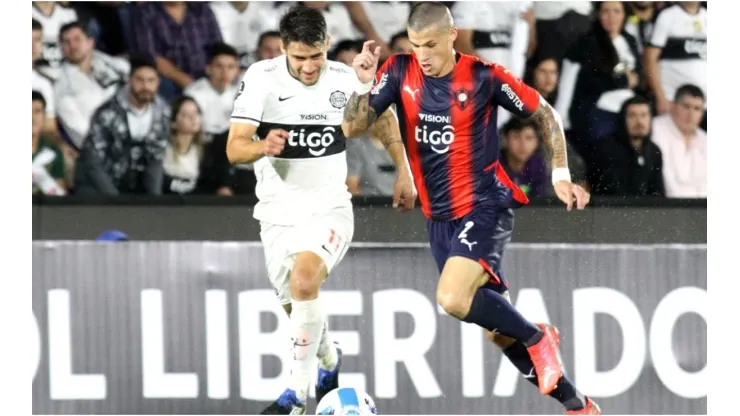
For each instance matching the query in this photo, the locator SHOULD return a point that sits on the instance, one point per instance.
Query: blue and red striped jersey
(449, 129)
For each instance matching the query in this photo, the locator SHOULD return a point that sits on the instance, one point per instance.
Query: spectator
(345, 51)
(386, 17)
(494, 31)
(241, 22)
(128, 135)
(365, 27)
(40, 82)
(48, 162)
(400, 43)
(184, 168)
(268, 46)
(104, 24)
(88, 78)
(544, 78)
(178, 35)
(677, 53)
(629, 163)
(683, 145)
(599, 73)
(558, 24)
(521, 159)
(216, 91)
(338, 21)
(52, 16)
(640, 21)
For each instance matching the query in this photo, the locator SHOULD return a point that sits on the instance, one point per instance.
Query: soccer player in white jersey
(287, 120)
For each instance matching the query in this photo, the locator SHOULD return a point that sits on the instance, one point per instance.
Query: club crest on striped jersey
(461, 97)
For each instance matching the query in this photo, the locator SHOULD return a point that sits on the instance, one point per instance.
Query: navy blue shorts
(480, 236)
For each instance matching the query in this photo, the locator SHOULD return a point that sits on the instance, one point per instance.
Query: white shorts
(328, 235)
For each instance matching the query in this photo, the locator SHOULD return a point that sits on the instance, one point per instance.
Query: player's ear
(327, 42)
(283, 47)
(453, 34)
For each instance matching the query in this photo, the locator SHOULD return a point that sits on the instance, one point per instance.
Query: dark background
(205, 218)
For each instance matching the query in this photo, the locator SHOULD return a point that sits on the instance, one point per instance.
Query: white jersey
(309, 176)
(682, 38)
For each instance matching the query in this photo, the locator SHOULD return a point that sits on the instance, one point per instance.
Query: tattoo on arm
(382, 130)
(552, 134)
(358, 112)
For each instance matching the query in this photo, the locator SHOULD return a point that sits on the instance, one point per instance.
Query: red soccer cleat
(544, 355)
(590, 409)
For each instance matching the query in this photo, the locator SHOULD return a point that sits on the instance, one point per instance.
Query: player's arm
(370, 99)
(525, 102)
(650, 57)
(386, 131)
(241, 146)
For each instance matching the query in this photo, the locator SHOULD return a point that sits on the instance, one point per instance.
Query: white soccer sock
(327, 351)
(307, 321)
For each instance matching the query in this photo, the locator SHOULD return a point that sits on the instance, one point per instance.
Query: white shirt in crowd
(684, 162)
(51, 25)
(215, 106)
(78, 94)
(553, 10)
(43, 85)
(388, 17)
(682, 38)
(243, 29)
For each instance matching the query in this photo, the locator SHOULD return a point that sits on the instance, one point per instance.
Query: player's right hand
(366, 62)
(274, 143)
(404, 193)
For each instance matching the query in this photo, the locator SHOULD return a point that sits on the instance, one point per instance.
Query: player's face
(76, 46)
(188, 119)
(611, 16)
(144, 84)
(37, 117)
(433, 48)
(222, 71)
(306, 61)
(687, 113)
(521, 144)
(270, 48)
(36, 44)
(402, 45)
(638, 120)
(546, 76)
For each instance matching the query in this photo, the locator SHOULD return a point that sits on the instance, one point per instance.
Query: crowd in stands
(135, 97)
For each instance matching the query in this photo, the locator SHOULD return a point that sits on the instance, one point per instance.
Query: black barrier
(199, 218)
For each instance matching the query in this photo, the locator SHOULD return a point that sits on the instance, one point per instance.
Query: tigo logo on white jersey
(315, 142)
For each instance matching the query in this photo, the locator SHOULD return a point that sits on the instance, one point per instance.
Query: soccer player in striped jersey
(447, 107)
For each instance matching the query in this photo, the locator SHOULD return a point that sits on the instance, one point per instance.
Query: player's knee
(304, 283)
(453, 304)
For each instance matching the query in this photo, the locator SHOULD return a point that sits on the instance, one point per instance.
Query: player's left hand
(404, 193)
(569, 192)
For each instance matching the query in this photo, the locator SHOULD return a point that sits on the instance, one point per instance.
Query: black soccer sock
(494, 313)
(565, 392)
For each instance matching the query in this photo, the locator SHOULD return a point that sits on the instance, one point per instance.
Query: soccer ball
(346, 401)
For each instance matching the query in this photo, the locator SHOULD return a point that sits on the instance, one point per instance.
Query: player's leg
(462, 292)
(328, 353)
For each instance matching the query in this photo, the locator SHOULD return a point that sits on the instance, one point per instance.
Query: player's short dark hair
(398, 36)
(220, 48)
(37, 96)
(304, 25)
(73, 25)
(36, 25)
(343, 46)
(265, 35)
(142, 61)
(428, 13)
(690, 90)
(518, 124)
